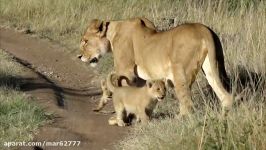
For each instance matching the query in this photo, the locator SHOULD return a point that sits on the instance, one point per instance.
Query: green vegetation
(19, 117)
(241, 25)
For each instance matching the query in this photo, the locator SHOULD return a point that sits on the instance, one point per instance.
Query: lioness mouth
(79, 56)
(94, 60)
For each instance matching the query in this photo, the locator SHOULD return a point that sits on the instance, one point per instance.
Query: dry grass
(241, 25)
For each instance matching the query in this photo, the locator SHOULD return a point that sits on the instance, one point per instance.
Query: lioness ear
(99, 27)
(103, 28)
(94, 26)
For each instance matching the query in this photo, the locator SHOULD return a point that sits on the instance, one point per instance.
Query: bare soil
(64, 86)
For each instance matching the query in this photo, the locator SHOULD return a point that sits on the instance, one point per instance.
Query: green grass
(20, 117)
(241, 25)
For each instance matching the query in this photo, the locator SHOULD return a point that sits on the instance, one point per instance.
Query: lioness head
(157, 89)
(94, 43)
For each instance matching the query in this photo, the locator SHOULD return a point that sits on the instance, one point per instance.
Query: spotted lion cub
(139, 101)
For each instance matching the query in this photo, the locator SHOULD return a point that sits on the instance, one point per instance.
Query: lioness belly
(142, 73)
(153, 73)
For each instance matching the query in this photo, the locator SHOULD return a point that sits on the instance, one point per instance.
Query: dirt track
(64, 86)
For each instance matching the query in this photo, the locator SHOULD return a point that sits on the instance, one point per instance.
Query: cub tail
(110, 81)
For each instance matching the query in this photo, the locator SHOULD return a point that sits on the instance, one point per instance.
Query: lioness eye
(85, 41)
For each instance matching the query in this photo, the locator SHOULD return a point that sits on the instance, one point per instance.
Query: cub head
(157, 89)
(94, 43)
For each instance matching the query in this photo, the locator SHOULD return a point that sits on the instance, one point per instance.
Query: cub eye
(85, 41)
(158, 89)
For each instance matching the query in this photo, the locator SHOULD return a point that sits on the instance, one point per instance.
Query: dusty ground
(64, 86)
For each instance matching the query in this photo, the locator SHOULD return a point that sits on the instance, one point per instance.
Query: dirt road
(65, 86)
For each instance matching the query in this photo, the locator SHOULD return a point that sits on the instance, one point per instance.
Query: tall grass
(241, 25)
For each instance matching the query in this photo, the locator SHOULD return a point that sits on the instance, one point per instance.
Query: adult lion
(177, 54)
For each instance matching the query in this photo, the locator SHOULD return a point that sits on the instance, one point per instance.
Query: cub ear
(149, 84)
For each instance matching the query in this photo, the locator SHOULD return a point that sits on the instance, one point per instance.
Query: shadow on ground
(42, 82)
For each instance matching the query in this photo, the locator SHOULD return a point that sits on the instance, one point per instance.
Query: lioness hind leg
(182, 90)
(212, 75)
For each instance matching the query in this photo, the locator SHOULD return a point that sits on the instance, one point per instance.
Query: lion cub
(139, 101)
(107, 95)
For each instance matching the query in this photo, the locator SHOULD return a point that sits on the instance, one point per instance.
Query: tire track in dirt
(64, 86)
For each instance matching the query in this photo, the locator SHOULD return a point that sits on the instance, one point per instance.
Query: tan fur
(135, 100)
(107, 95)
(176, 54)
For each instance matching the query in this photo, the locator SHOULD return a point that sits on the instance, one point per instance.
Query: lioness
(177, 54)
(135, 100)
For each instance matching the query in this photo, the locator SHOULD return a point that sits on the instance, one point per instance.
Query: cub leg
(144, 118)
(119, 109)
(138, 118)
(106, 96)
(112, 120)
(102, 103)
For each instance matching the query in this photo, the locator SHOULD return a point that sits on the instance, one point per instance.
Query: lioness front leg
(182, 90)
